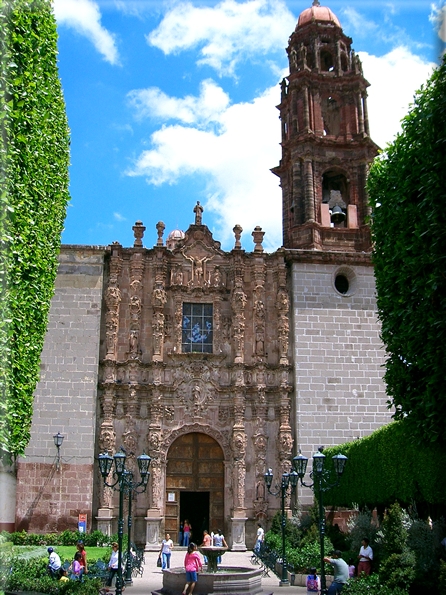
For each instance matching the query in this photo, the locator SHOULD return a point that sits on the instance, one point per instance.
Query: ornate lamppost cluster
(288, 481)
(124, 484)
(323, 480)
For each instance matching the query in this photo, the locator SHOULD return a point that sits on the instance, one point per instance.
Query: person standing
(260, 538)
(192, 565)
(113, 564)
(54, 563)
(186, 532)
(207, 541)
(180, 534)
(166, 551)
(219, 541)
(340, 572)
(365, 557)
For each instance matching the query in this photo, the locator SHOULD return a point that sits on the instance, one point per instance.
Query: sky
(170, 103)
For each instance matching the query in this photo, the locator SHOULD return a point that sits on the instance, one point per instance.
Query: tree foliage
(34, 157)
(407, 189)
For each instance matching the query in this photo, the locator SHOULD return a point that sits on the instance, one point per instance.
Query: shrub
(367, 585)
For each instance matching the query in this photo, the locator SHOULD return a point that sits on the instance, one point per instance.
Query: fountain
(223, 580)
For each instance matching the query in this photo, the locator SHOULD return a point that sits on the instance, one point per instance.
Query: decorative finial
(160, 227)
(198, 210)
(138, 232)
(316, 3)
(257, 235)
(237, 232)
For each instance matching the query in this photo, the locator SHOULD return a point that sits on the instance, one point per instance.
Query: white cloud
(227, 33)
(393, 79)
(234, 146)
(205, 108)
(84, 17)
(438, 19)
(119, 217)
(235, 162)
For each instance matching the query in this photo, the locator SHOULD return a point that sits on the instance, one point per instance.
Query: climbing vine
(34, 158)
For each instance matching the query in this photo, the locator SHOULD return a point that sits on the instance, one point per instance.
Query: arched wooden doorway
(194, 485)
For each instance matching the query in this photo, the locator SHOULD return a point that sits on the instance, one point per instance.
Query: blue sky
(169, 103)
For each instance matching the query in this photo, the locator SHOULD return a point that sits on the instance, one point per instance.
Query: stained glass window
(197, 328)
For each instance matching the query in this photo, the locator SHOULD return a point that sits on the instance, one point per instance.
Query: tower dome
(316, 12)
(174, 237)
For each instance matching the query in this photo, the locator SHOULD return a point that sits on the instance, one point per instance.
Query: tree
(34, 158)
(407, 189)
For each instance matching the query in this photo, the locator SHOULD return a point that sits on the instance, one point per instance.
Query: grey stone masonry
(65, 397)
(338, 357)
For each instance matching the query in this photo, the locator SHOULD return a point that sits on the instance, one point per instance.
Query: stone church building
(220, 364)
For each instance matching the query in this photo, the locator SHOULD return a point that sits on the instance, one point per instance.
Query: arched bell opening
(326, 61)
(335, 198)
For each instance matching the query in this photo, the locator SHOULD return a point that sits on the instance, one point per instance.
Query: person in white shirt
(54, 563)
(365, 558)
(260, 537)
(113, 564)
(166, 550)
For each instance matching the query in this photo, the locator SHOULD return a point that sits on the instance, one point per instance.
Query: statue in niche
(135, 308)
(260, 341)
(260, 490)
(159, 297)
(133, 342)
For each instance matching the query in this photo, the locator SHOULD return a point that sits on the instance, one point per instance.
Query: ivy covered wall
(34, 159)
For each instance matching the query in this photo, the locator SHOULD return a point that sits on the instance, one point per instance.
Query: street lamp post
(321, 483)
(288, 480)
(124, 484)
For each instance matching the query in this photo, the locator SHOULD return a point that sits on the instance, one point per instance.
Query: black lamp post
(58, 439)
(321, 483)
(124, 484)
(289, 480)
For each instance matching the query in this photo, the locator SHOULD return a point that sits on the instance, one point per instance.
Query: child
(76, 568)
(192, 565)
(313, 582)
(63, 575)
(351, 568)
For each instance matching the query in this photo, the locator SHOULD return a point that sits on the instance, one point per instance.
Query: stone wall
(338, 357)
(51, 493)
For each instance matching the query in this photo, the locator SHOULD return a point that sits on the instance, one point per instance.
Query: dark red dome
(317, 13)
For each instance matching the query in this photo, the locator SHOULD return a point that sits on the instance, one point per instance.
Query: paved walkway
(152, 578)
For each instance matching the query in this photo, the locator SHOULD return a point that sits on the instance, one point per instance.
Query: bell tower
(326, 144)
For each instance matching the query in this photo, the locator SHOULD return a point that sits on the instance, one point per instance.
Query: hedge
(390, 466)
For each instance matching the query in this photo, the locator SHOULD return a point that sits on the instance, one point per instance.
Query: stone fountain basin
(229, 580)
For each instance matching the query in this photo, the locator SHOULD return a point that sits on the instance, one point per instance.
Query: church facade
(220, 364)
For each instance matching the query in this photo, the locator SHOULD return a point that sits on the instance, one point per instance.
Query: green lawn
(66, 552)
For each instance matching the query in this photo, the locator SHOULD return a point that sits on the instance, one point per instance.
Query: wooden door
(194, 465)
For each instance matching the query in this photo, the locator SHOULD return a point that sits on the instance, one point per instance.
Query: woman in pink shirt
(192, 564)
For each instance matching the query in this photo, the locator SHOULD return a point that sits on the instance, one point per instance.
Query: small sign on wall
(170, 496)
(82, 523)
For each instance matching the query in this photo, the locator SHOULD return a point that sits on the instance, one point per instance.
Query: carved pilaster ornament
(283, 326)
(238, 303)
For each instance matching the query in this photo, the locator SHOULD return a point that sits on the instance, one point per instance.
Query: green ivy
(407, 189)
(34, 159)
(389, 466)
